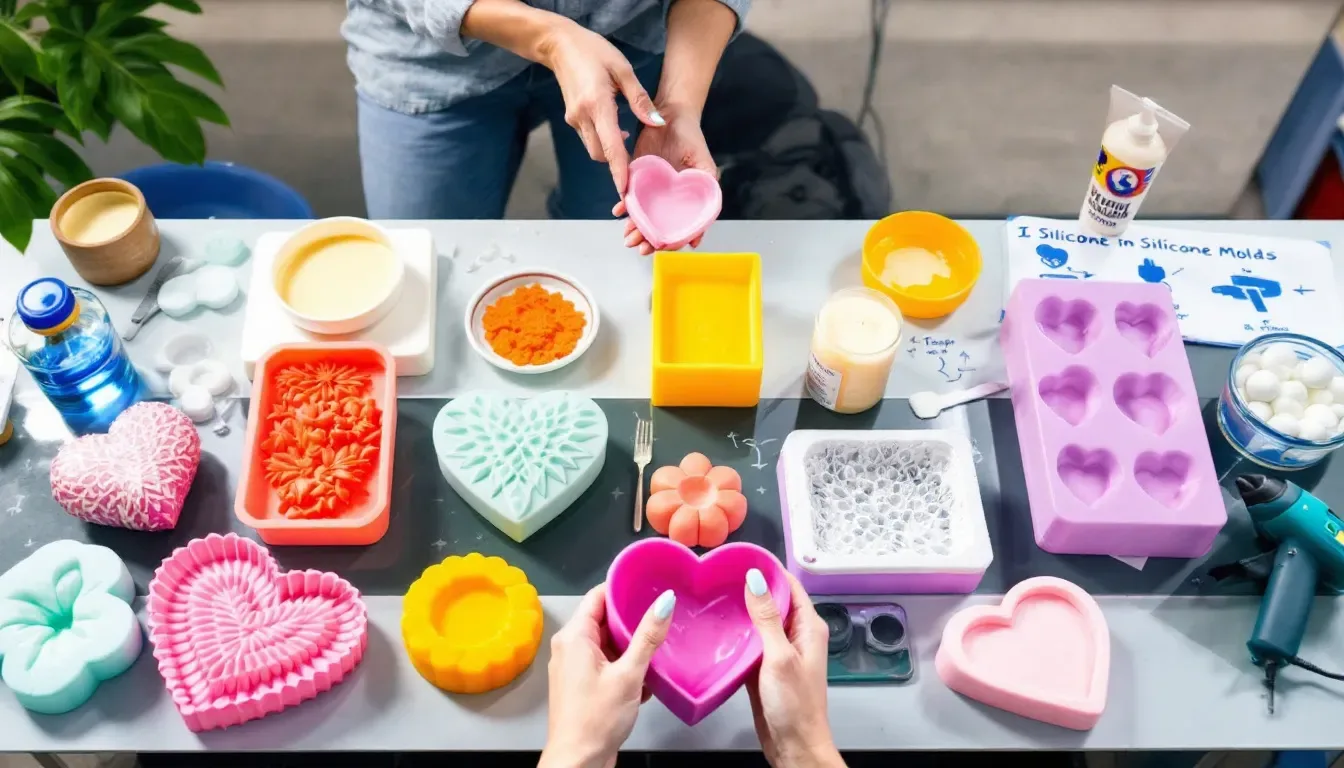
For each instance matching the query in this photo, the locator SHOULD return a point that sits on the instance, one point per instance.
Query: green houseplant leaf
(94, 64)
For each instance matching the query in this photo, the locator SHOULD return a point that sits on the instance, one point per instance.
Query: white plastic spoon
(927, 405)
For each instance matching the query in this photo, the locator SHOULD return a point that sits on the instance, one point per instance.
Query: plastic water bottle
(65, 339)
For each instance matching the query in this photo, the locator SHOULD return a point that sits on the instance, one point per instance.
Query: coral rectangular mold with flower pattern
(520, 463)
(236, 639)
(320, 475)
(1113, 444)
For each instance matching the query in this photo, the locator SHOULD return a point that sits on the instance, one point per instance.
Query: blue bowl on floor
(216, 191)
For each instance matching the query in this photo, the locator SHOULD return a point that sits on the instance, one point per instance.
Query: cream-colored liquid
(336, 277)
(99, 217)
(913, 266)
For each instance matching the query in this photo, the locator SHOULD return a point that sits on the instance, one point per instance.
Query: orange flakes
(323, 439)
(533, 326)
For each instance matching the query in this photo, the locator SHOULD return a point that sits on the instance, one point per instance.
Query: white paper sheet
(1227, 288)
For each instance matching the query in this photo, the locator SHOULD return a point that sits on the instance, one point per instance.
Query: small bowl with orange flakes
(532, 321)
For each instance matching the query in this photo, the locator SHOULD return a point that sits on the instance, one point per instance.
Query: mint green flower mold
(66, 625)
(520, 463)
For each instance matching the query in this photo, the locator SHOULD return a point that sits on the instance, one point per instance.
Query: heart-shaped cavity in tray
(1152, 401)
(1165, 476)
(1071, 325)
(1146, 326)
(1088, 474)
(1070, 393)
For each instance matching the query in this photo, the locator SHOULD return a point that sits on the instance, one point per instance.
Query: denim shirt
(410, 56)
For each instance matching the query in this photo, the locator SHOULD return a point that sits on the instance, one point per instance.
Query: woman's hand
(788, 695)
(591, 71)
(594, 692)
(681, 143)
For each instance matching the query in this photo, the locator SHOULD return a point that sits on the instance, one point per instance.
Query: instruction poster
(1227, 288)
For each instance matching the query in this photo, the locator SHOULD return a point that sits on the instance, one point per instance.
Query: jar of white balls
(1283, 405)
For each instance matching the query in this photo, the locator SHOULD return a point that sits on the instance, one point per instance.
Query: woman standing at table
(449, 90)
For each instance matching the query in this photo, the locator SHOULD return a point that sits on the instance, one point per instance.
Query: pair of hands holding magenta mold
(595, 693)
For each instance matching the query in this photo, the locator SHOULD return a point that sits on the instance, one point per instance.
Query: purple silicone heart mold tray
(1113, 445)
(711, 645)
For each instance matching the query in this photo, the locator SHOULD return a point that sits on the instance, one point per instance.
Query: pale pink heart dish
(135, 476)
(237, 640)
(671, 208)
(1043, 653)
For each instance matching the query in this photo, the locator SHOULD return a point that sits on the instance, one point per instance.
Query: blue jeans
(460, 163)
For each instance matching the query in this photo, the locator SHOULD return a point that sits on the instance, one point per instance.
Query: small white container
(552, 281)
(357, 318)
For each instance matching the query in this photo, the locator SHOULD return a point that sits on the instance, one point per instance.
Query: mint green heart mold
(520, 463)
(66, 625)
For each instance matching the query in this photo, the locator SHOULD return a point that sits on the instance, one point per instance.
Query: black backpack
(780, 155)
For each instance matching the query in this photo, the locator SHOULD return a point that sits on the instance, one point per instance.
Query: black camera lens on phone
(839, 628)
(885, 633)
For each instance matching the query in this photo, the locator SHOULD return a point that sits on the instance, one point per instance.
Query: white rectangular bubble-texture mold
(882, 512)
(1113, 444)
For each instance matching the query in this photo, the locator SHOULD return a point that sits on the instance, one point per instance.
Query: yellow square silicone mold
(707, 342)
(471, 623)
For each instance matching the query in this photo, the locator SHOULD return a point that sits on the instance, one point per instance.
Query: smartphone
(867, 642)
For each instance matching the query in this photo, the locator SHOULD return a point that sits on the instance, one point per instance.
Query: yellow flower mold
(471, 624)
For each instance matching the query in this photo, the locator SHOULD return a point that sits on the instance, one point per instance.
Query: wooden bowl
(109, 259)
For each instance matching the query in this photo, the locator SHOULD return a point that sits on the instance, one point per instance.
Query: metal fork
(643, 455)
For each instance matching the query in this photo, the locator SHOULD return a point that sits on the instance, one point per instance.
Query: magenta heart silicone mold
(237, 640)
(135, 476)
(671, 208)
(712, 644)
(1043, 653)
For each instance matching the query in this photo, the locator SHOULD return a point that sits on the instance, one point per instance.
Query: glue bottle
(1138, 139)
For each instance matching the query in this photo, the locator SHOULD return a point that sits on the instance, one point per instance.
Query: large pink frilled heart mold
(1043, 653)
(237, 640)
(136, 476)
(671, 208)
(711, 646)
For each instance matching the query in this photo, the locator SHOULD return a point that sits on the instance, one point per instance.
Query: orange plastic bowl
(937, 234)
(257, 503)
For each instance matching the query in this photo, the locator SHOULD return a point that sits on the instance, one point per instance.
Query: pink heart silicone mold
(671, 208)
(1043, 653)
(712, 644)
(135, 476)
(237, 640)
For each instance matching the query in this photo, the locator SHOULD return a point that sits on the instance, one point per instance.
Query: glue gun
(1310, 549)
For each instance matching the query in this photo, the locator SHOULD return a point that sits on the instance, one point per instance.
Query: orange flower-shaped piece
(696, 503)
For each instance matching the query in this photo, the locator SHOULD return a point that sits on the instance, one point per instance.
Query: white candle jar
(854, 341)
